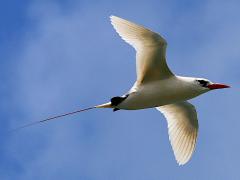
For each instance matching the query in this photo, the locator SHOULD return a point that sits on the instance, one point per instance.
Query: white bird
(156, 86)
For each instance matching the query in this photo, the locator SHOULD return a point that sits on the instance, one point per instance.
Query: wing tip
(185, 156)
(180, 160)
(113, 18)
(183, 160)
(118, 20)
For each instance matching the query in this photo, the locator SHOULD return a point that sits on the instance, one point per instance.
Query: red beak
(217, 86)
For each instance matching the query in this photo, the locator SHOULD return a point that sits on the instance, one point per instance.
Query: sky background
(58, 56)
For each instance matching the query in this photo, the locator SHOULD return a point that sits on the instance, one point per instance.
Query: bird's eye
(203, 83)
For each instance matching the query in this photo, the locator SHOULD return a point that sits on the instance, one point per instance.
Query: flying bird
(158, 87)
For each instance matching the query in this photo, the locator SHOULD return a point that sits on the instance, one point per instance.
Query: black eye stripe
(203, 82)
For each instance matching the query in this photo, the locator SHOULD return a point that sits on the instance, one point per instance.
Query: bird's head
(206, 85)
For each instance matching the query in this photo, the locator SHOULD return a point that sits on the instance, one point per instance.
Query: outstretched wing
(150, 50)
(182, 129)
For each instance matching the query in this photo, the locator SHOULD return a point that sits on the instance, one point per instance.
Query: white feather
(150, 50)
(182, 129)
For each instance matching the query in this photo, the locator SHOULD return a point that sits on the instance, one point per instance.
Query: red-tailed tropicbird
(156, 86)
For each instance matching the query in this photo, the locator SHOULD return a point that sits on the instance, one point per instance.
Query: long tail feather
(52, 118)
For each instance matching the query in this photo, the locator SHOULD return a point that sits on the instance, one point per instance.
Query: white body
(161, 92)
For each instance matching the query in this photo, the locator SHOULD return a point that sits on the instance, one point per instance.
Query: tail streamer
(52, 118)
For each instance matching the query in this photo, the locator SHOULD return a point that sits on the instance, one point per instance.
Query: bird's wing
(150, 47)
(182, 129)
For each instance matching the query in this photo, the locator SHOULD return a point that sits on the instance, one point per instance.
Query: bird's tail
(106, 105)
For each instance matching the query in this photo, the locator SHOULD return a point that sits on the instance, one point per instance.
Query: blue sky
(58, 56)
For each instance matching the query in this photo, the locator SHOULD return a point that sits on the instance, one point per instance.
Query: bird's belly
(142, 101)
(153, 96)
